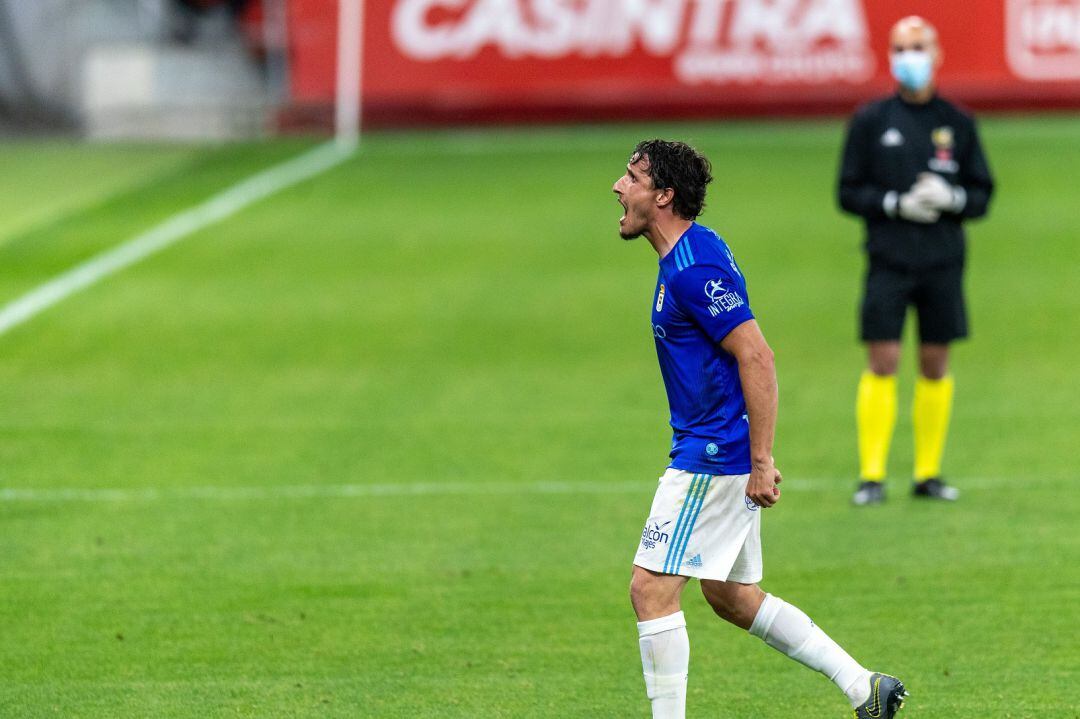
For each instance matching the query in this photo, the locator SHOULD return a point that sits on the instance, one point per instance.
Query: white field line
(219, 207)
(433, 489)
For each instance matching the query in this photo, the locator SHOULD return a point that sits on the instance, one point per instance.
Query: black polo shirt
(889, 142)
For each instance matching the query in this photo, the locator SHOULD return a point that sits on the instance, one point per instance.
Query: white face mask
(912, 68)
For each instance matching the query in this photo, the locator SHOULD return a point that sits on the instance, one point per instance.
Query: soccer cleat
(935, 488)
(868, 493)
(886, 698)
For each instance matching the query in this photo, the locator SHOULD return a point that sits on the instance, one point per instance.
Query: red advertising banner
(475, 60)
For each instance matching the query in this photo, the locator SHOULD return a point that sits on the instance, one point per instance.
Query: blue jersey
(700, 298)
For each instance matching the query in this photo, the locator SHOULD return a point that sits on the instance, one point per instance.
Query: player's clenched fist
(762, 487)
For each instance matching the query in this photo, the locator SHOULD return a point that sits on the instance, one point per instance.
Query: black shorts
(936, 293)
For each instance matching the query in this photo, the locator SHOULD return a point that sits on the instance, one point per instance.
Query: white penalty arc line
(375, 490)
(183, 224)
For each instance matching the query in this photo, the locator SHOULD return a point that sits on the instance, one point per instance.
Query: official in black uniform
(914, 170)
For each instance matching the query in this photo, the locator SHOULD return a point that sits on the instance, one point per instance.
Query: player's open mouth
(623, 205)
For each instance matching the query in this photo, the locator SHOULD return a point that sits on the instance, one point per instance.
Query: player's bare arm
(757, 373)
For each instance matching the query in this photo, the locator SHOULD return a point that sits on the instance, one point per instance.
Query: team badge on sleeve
(721, 299)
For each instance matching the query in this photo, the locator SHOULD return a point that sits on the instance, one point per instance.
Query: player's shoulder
(707, 245)
(872, 109)
(958, 114)
(700, 250)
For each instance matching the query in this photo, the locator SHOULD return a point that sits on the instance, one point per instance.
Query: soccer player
(721, 386)
(914, 170)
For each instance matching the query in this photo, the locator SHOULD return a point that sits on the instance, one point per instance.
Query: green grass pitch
(450, 321)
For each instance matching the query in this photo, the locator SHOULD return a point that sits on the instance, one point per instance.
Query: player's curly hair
(680, 167)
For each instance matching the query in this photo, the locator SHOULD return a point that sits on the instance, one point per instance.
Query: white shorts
(702, 526)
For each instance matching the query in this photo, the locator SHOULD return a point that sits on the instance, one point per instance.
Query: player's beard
(630, 231)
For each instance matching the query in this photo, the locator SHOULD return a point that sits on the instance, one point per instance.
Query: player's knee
(934, 372)
(650, 598)
(641, 596)
(732, 602)
(883, 358)
(720, 598)
(883, 365)
(934, 363)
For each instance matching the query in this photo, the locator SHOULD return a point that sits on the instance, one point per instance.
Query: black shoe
(935, 488)
(868, 493)
(886, 698)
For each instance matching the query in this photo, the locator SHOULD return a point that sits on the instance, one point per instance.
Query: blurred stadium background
(301, 429)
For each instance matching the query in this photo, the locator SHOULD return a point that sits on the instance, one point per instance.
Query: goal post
(349, 92)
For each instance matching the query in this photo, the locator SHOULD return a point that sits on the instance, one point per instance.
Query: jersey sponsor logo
(707, 41)
(714, 289)
(659, 332)
(660, 299)
(892, 138)
(943, 140)
(651, 536)
(1042, 39)
(721, 299)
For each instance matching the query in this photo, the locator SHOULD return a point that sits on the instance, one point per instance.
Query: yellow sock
(875, 415)
(930, 417)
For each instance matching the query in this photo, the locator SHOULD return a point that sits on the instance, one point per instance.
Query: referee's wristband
(890, 202)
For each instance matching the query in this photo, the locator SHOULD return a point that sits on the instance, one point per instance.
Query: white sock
(665, 658)
(786, 629)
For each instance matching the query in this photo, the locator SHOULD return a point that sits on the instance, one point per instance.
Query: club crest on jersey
(721, 299)
(942, 137)
(944, 141)
(660, 298)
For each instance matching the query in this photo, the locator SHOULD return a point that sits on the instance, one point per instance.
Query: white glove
(934, 191)
(910, 207)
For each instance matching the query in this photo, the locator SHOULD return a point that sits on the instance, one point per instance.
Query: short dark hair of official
(677, 166)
